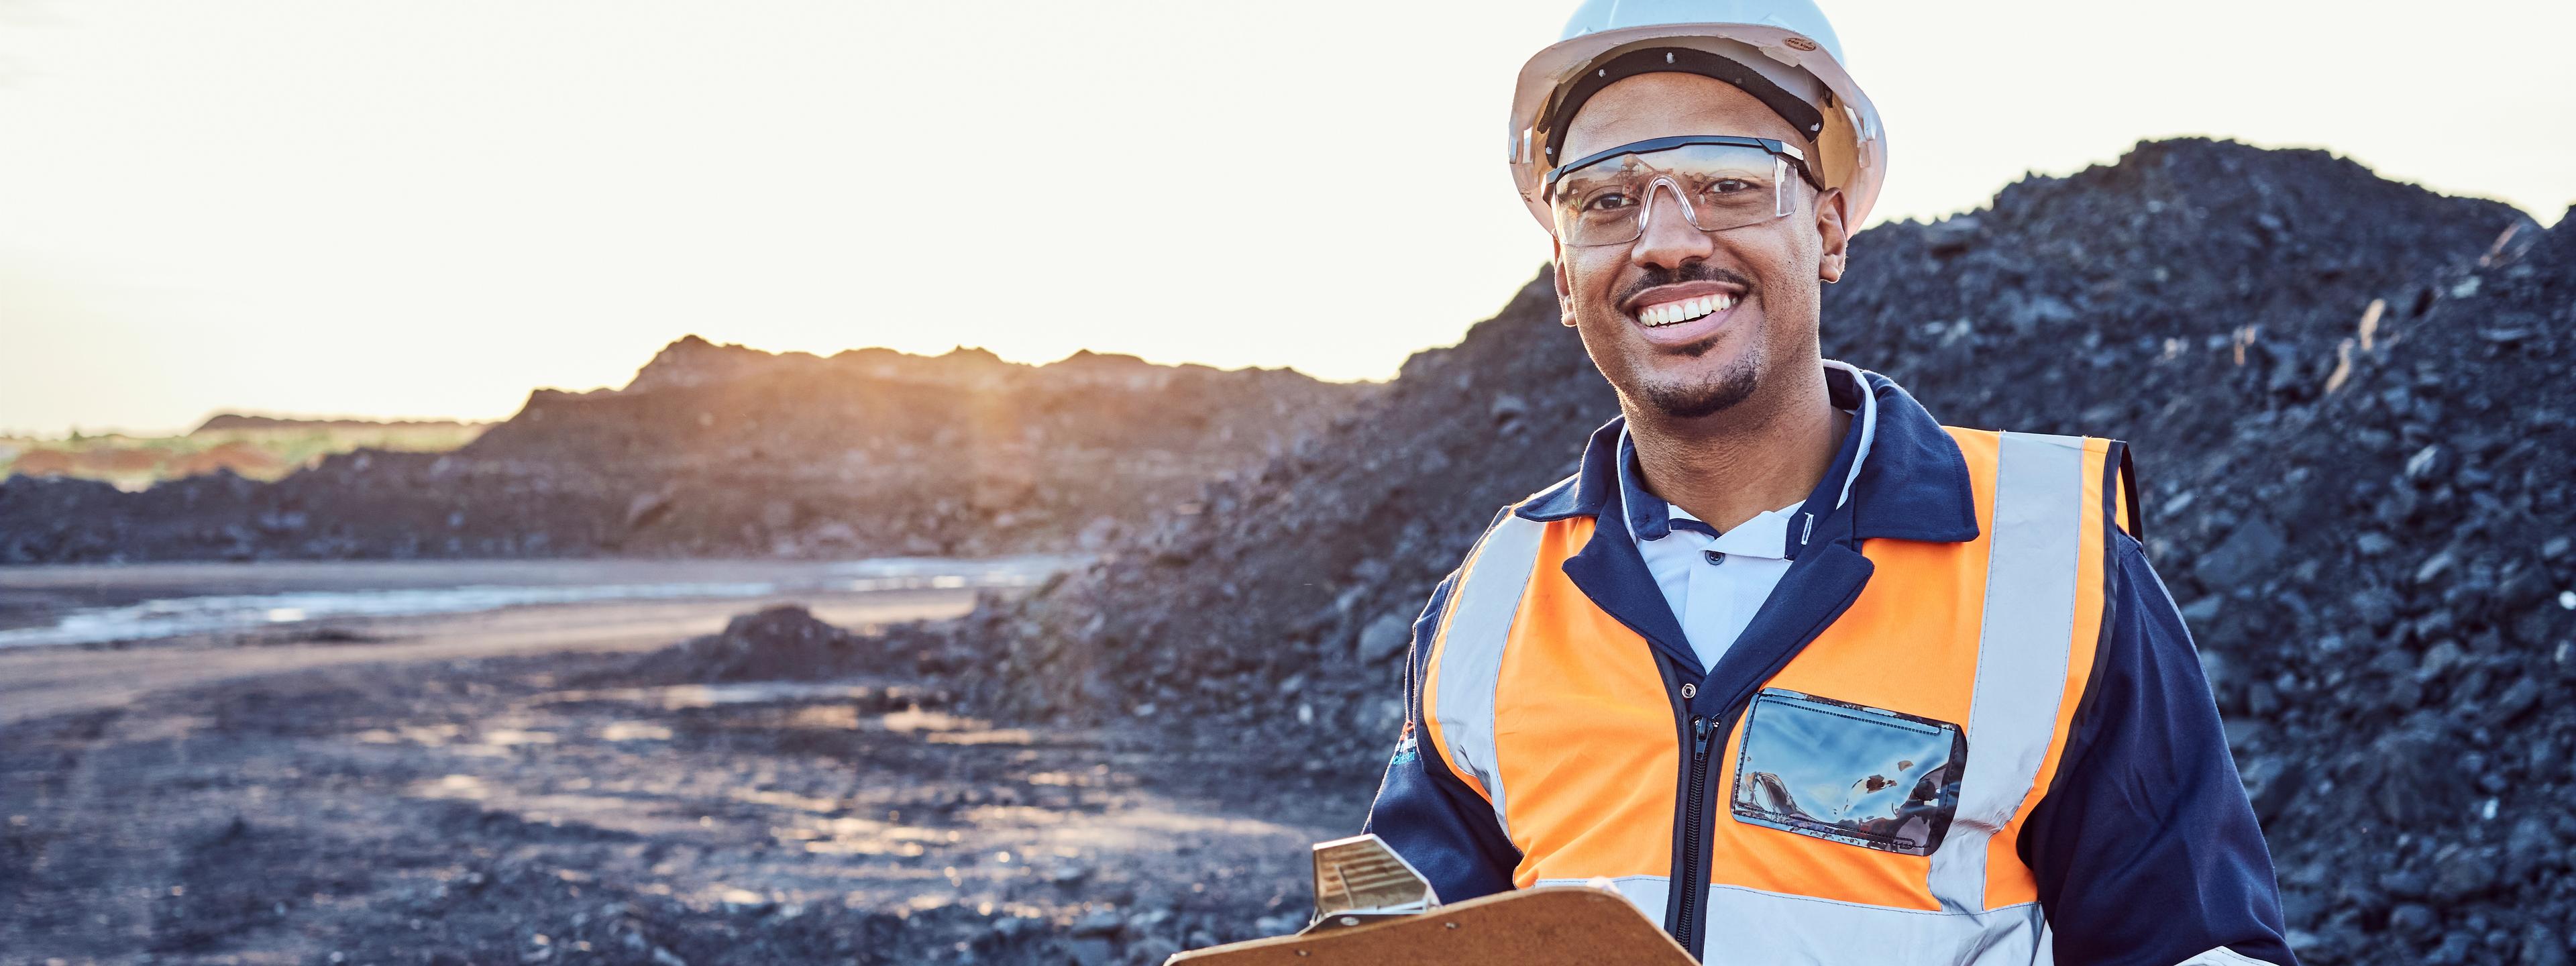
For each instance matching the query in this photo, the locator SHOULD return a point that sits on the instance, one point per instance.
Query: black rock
(2542, 946)
(1090, 951)
(1099, 922)
(1385, 637)
(2461, 872)
(2243, 558)
(2429, 465)
(1153, 950)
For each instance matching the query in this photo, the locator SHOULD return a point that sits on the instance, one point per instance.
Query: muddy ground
(569, 809)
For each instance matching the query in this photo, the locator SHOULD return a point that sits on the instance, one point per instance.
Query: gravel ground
(587, 808)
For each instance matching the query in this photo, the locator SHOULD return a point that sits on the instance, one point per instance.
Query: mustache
(1657, 276)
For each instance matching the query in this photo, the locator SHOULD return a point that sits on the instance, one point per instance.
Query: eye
(1606, 201)
(1728, 186)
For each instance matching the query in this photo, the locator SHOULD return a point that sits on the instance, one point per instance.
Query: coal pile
(727, 451)
(2359, 526)
(2381, 585)
(782, 643)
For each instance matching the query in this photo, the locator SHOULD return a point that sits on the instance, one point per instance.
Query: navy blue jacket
(2145, 847)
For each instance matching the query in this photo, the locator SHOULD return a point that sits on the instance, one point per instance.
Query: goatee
(1708, 397)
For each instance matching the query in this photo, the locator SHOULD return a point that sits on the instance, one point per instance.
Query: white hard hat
(1787, 55)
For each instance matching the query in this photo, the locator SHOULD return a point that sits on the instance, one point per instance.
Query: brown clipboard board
(1545, 926)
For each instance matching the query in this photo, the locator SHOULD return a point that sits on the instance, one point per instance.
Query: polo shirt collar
(1651, 517)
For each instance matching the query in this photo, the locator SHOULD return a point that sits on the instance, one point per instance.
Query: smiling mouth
(1675, 313)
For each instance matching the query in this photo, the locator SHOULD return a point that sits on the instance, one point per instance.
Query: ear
(1564, 288)
(1831, 209)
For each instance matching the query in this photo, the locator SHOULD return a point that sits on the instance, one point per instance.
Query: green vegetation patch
(256, 447)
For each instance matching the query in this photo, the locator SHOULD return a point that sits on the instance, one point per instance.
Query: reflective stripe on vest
(1460, 689)
(2021, 651)
(1997, 632)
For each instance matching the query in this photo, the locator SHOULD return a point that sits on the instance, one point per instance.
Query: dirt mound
(782, 643)
(723, 450)
(235, 457)
(2195, 299)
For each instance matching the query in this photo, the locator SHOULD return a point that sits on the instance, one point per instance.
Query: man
(1807, 676)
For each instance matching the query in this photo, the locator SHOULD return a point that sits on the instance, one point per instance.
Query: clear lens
(1720, 187)
(1855, 775)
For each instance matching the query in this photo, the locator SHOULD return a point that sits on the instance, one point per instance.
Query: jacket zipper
(1705, 730)
(1694, 849)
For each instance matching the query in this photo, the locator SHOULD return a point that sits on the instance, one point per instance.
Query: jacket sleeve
(1425, 812)
(2146, 849)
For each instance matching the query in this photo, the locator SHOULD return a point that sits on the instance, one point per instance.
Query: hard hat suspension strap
(1800, 114)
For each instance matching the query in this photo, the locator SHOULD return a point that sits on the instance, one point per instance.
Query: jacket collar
(1912, 483)
(1650, 517)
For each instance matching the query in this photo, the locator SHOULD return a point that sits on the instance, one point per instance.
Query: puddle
(535, 583)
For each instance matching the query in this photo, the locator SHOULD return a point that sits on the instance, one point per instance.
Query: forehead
(1664, 105)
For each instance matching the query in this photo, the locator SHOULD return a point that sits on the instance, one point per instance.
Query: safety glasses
(1721, 181)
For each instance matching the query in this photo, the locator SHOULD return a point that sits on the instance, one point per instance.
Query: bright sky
(425, 208)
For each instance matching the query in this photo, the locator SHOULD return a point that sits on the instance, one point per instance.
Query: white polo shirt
(1714, 584)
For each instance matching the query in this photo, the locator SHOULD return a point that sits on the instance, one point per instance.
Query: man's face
(1771, 270)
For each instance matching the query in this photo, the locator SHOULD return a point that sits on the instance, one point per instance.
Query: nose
(1668, 240)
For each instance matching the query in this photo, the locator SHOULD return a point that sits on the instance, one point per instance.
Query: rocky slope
(725, 450)
(2368, 531)
(2381, 589)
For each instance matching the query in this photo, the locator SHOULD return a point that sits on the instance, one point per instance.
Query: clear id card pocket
(1856, 775)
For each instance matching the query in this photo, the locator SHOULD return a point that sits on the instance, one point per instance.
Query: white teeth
(1669, 313)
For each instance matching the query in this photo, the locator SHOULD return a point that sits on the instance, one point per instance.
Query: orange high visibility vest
(1873, 815)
